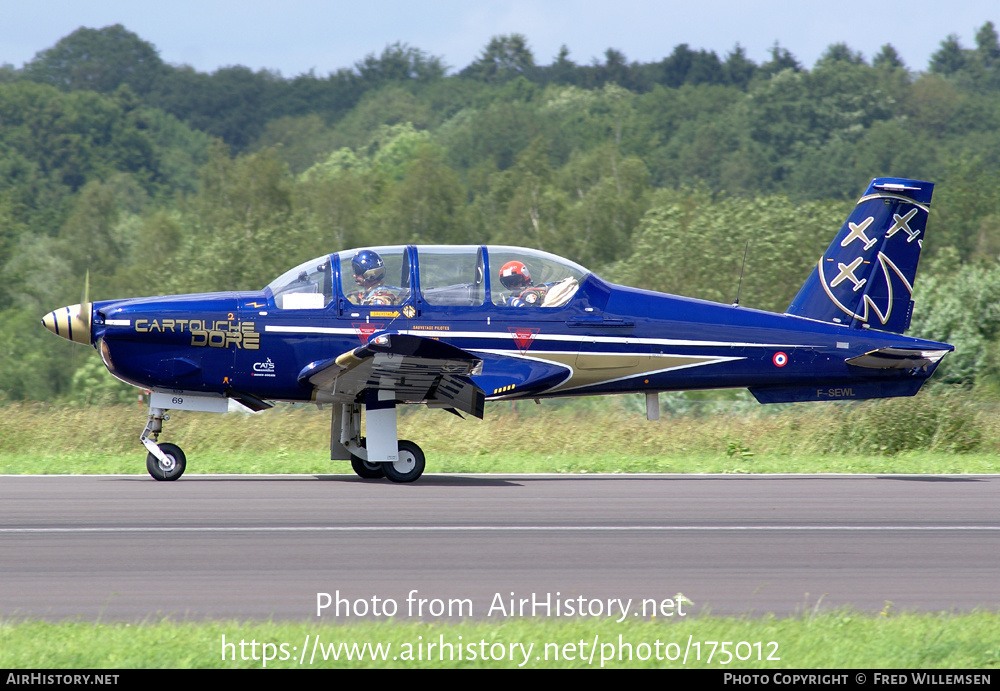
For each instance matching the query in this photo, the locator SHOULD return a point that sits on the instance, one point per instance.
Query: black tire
(172, 471)
(364, 469)
(410, 465)
(369, 471)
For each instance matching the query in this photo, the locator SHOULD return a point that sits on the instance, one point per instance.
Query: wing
(417, 369)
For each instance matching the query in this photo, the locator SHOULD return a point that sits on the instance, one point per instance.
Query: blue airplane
(451, 327)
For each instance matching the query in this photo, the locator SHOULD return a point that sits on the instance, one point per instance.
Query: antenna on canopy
(742, 266)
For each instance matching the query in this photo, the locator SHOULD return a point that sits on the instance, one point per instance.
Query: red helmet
(515, 276)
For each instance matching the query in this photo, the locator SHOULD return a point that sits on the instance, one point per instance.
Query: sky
(296, 36)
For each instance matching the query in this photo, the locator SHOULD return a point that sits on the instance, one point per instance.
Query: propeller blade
(86, 306)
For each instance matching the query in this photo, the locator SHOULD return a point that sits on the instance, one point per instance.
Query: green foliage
(378, 113)
(89, 235)
(299, 141)
(92, 384)
(233, 103)
(689, 244)
(961, 305)
(34, 367)
(610, 195)
(840, 52)
(76, 166)
(736, 449)
(939, 423)
(241, 229)
(809, 121)
(888, 58)
(949, 58)
(393, 149)
(73, 138)
(505, 57)
(428, 204)
(98, 60)
(495, 133)
(399, 63)
(397, 188)
(969, 195)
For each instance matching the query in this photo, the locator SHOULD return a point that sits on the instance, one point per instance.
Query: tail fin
(865, 278)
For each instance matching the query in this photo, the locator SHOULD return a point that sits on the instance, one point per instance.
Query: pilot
(515, 277)
(369, 273)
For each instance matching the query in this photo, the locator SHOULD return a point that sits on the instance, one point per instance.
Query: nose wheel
(164, 461)
(169, 469)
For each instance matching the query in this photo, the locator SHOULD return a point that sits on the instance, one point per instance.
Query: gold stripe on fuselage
(589, 369)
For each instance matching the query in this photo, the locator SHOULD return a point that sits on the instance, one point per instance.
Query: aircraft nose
(69, 323)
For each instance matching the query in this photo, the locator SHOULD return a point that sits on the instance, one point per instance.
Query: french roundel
(780, 359)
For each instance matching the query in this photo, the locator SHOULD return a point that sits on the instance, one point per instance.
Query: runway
(129, 548)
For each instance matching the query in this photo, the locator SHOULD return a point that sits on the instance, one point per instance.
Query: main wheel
(409, 465)
(172, 469)
(369, 471)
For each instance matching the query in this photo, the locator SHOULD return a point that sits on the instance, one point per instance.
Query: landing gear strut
(380, 454)
(164, 461)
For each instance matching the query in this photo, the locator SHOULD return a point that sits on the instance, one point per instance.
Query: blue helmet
(369, 269)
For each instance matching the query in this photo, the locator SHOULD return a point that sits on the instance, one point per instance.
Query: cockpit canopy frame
(458, 276)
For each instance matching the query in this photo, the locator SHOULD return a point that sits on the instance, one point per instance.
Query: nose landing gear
(164, 461)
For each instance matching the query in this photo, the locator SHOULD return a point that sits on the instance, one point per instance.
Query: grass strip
(925, 434)
(831, 640)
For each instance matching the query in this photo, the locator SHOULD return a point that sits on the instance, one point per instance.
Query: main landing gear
(379, 454)
(164, 461)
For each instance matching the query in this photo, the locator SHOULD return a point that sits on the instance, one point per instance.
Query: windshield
(307, 286)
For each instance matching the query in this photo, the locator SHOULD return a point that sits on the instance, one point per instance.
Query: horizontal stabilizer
(865, 278)
(897, 358)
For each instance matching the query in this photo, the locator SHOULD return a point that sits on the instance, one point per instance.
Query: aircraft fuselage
(612, 340)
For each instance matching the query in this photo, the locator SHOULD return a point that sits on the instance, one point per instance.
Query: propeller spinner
(73, 322)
